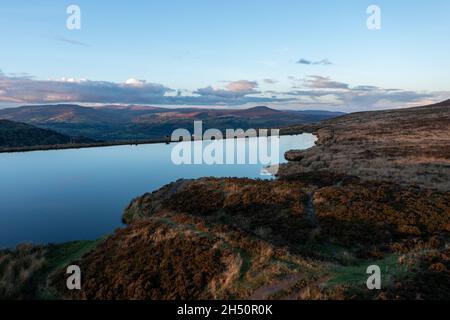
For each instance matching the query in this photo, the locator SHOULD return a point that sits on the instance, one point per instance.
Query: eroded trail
(311, 211)
(267, 291)
(307, 292)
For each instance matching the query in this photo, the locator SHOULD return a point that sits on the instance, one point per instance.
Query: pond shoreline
(104, 144)
(104, 180)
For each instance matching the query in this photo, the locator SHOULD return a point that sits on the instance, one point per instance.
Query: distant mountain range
(18, 135)
(134, 122)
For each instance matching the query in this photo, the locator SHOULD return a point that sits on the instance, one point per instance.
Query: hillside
(368, 194)
(246, 239)
(406, 146)
(17, 135)
(111, 122)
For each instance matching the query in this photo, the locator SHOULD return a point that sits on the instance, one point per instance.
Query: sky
(286, 54)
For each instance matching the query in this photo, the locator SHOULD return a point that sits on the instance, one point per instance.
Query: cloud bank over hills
(310, 92)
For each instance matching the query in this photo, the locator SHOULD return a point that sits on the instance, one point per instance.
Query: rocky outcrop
(294, 155)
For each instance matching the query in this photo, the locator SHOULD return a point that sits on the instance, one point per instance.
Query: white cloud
(72, 80)
(135, 82)
(312, 92)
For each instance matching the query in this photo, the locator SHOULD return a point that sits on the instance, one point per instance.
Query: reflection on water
(65, 195)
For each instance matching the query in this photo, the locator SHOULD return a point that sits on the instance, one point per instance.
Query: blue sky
(231, 53)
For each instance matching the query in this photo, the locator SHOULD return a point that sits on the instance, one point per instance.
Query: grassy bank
(25, 272)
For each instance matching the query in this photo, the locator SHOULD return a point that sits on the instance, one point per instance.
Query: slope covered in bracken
(405, 146)
(285, 239)
(214, 239)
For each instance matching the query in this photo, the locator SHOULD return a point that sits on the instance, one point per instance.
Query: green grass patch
(59, 256)
(357, 274)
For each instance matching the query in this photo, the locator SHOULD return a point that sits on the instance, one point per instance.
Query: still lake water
(65, 195)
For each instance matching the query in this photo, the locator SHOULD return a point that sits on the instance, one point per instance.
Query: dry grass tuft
(18, 270)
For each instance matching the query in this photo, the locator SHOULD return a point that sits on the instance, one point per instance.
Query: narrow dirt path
(264, 292)
(305, 292)
(311, 211)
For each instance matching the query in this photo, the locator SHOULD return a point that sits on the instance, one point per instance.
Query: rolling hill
(17, 135)
(406, 146)
(118, 122)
